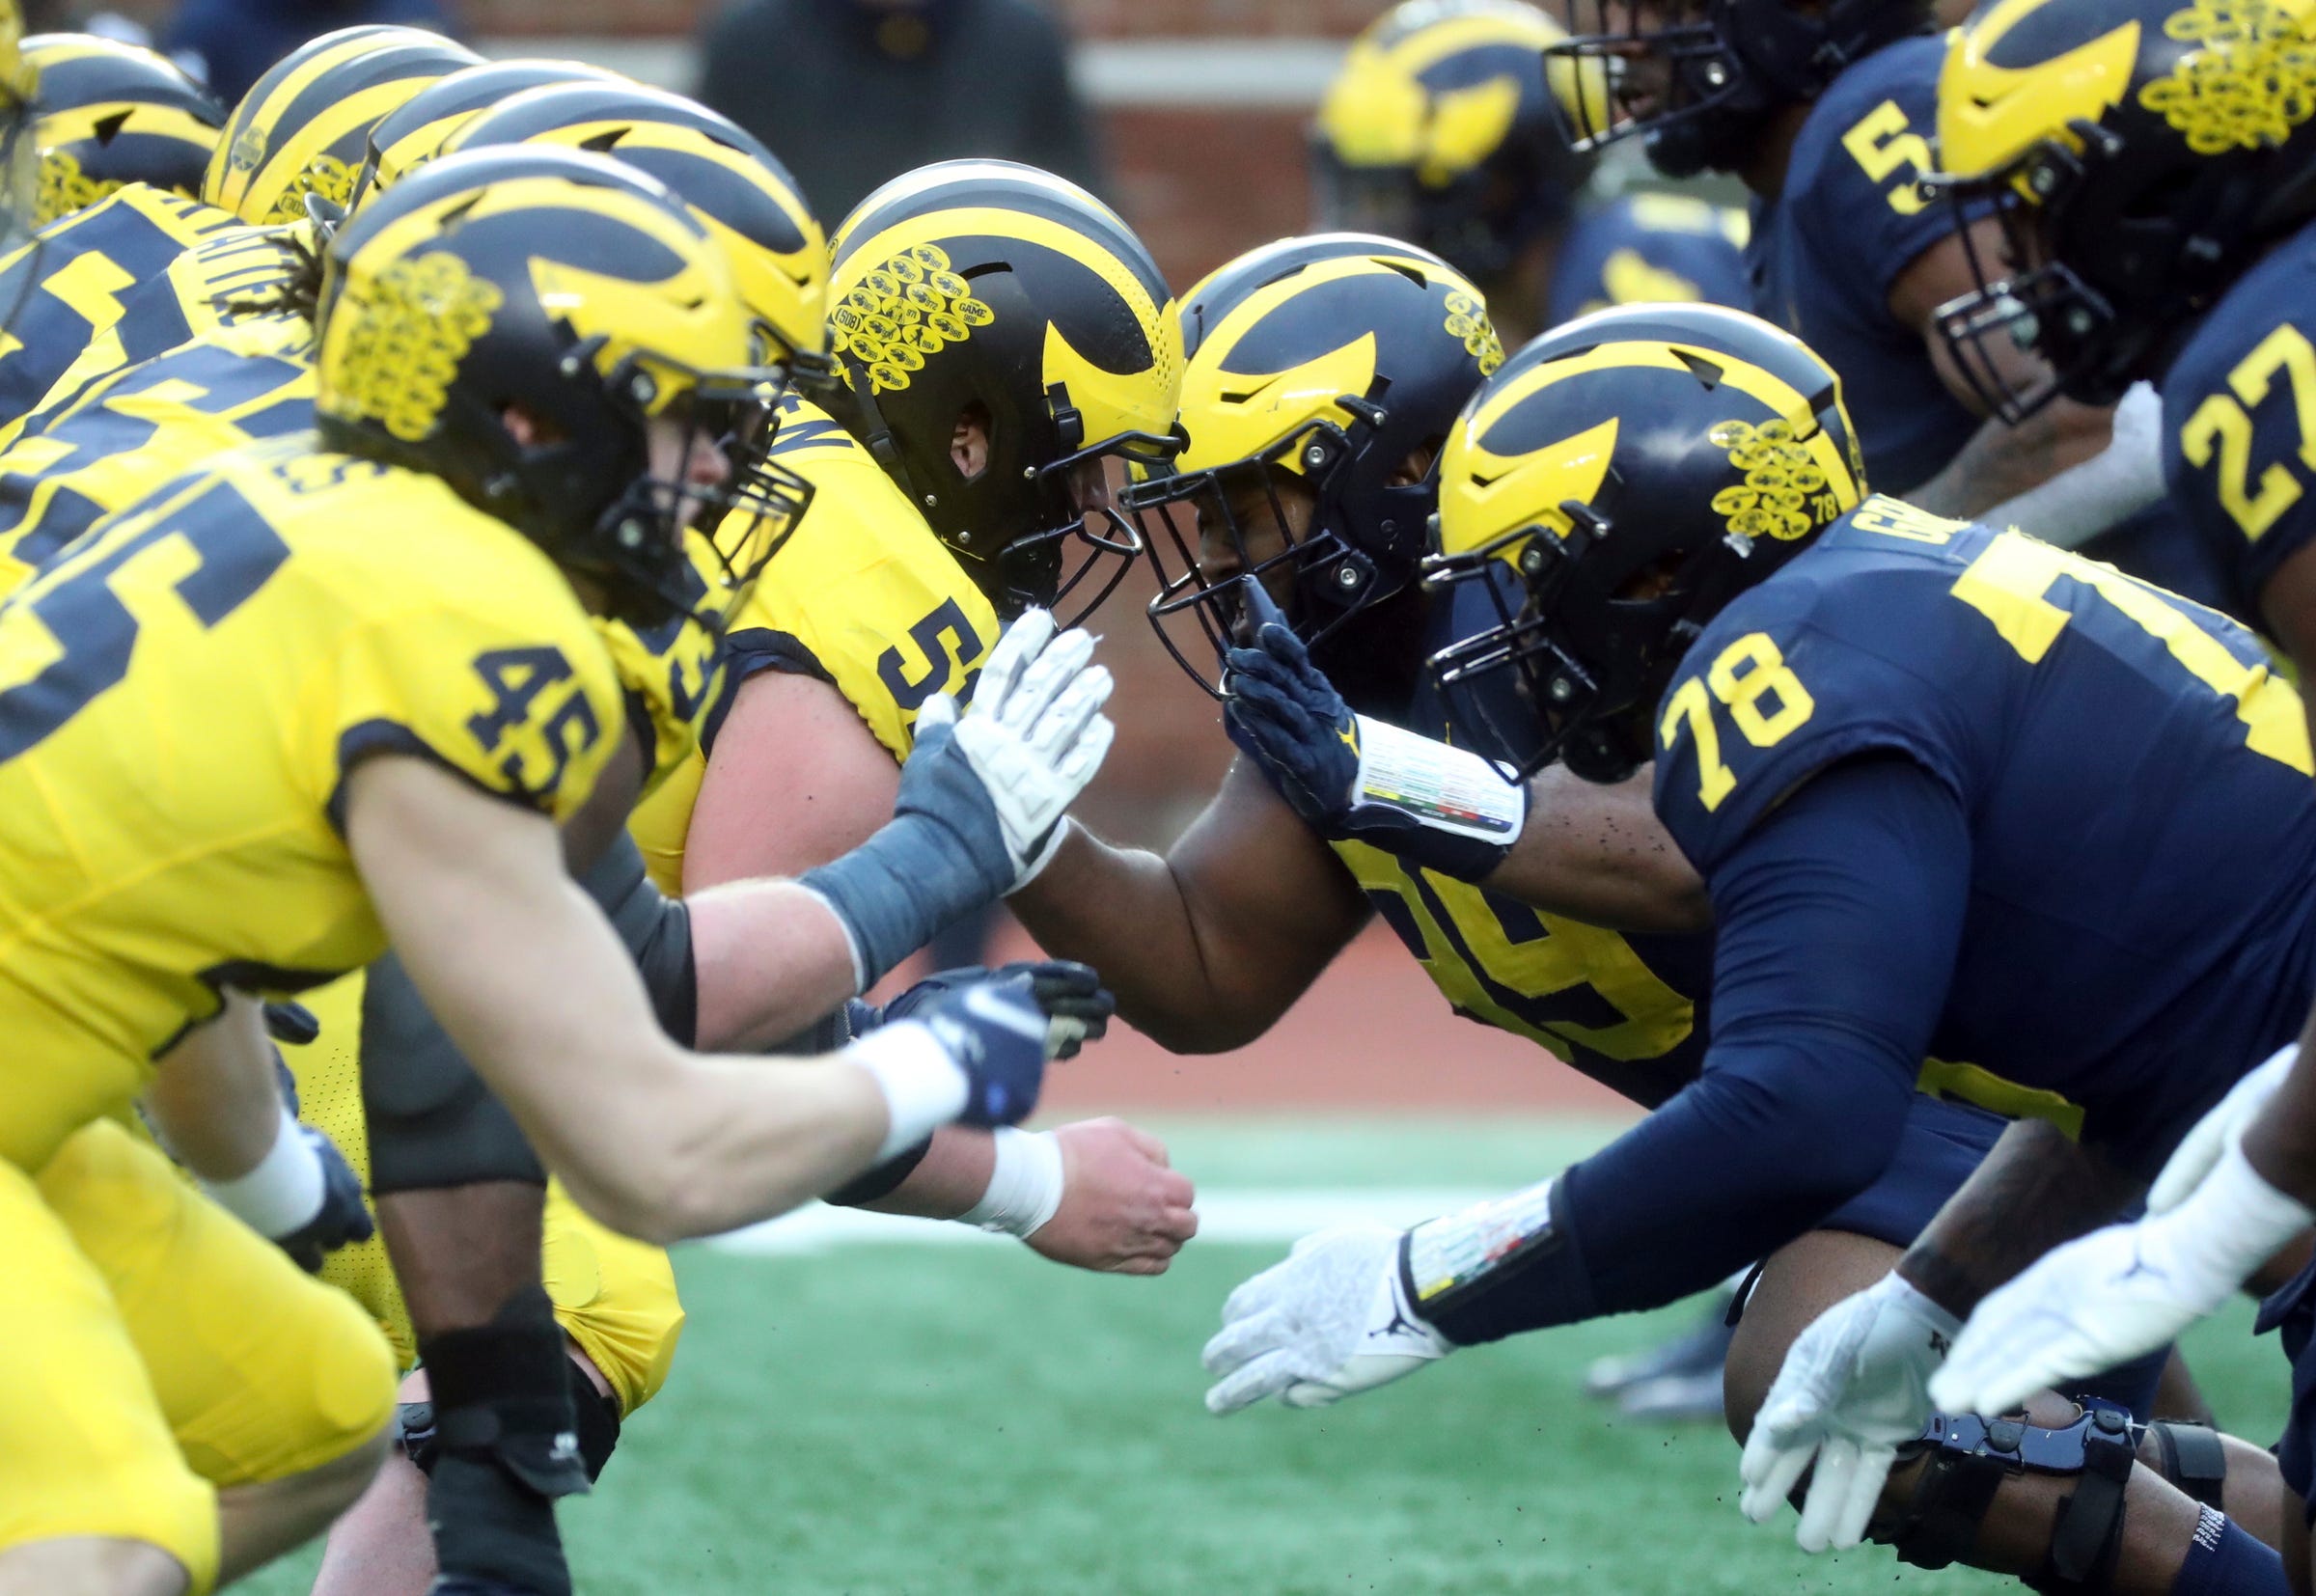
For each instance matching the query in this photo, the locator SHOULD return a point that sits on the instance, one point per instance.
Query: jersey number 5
(1884, 146)
(1748, 672)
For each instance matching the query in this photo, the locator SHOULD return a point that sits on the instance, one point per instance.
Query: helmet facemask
(1320, 577)
(1676, 84)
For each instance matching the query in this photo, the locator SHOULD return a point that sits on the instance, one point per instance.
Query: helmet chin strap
(876, 431)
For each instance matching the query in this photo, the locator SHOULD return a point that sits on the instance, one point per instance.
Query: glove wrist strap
(1026, 1184)
(923, 1086)
(284, 1192)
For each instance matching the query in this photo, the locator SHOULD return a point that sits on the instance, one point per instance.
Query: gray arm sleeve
(433, 1122)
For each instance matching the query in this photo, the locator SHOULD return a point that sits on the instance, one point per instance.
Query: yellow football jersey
(65, 286)
(861, 596)
(181, 696)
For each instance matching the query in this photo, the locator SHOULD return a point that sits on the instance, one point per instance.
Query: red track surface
(1373, 1034)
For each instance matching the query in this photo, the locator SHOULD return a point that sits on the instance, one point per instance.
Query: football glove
(1352, 778)
(1078, 1008)
(1852, 1391)
(344, 1218)
(2218, 1130)
(1329, 1322)
(1001, 1031)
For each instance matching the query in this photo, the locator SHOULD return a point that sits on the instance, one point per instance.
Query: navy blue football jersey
(1824, 255)
(1650, 246)
(2139, 927)
(2240, 421)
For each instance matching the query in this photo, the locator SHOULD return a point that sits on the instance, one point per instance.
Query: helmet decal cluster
(1467, 319)
(412, 325)
(2254, 83)
(65, 187)
(1783, 494)
(909, 307)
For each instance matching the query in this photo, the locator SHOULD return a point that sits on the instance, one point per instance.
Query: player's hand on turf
(1078, 1008)
(342, 1221)
(1853, 1390)
(1034, 738)
(1329, 1322)
(1001, 1032)
(1124, 1211)
(2217, 1131)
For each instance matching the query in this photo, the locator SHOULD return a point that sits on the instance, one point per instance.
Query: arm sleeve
(1839, 920)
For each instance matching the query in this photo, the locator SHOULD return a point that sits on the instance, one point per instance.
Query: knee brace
(2191, 1458)
(1966, 1460)
(598, 1417)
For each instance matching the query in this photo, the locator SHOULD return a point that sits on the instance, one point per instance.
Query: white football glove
(1035, 734)
(2217, 1131)
(1853, 1392)
(1331, 1321)
(2114, 1294)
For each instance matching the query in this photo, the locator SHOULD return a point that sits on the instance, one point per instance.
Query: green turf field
(966, 1419)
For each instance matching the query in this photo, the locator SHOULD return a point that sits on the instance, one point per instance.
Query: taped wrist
(897, 889)
(285, 1190)
(1442, 808)
(1026, 1184)
(506, 1445)
(1498, 1268)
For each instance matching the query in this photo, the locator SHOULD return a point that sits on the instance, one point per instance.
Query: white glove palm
(1852, 1392)
(1331, 1321)
(1035, 734)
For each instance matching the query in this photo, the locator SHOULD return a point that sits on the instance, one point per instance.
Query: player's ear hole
(969, 442)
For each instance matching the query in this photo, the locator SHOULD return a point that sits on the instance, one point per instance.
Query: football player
(597, 461)
(1440, 129)
(2149, 243)
(1824, 113)
(66, 284)
(114, 114)
(1209, 945)
(1862, 750)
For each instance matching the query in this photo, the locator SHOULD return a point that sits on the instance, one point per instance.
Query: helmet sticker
(1467, 319)
(65, 188)
(1783, 494)
(903, 310)
(412, 325)
(324, 174)
(2253, 81)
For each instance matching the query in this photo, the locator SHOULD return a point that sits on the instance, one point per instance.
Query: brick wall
(1086, 19)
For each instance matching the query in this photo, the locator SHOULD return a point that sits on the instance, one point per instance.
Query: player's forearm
(2036, 1190)
(771, 958)
(1600, 855)
(1128, 913)
(1999, 461)
(214, 1101)
(949, 1179)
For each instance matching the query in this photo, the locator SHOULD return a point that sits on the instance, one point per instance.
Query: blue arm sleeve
(1839, 919)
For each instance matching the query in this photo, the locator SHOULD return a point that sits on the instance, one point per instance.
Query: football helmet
(1698, 80)
(17, 161)
(734, 185)
(415, 131)
(1330, 361)
(111, 114)
(984, 289)
(304, 127)
(1611, 489)
(2140, 154)
(512, 322)
(1438, 129)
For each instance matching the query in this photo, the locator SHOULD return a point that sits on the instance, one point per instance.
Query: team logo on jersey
(412, 325)
(1467, 319)
(1783, 494)
(909, 307)
(324, 174)
(2252, 81)
(65, 188)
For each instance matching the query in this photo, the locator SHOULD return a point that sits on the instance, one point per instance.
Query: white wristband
(2227, 1226)
(1448, 788)
(923, 1087)
(283, 1192)
(1025, 1184)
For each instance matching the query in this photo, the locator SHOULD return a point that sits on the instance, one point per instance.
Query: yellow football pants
(160, 1349)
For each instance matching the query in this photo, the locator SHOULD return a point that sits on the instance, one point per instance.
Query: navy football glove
(1000, 1031)
(1078, 1008)
(1355, 779)
(342, 1220)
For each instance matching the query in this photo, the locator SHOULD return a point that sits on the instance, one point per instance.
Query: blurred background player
(1825, 114)
(1440, 130)
(113, 114)
(938, 79)
(231, 43)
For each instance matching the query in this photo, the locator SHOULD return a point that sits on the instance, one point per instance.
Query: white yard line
(1247, 1215)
